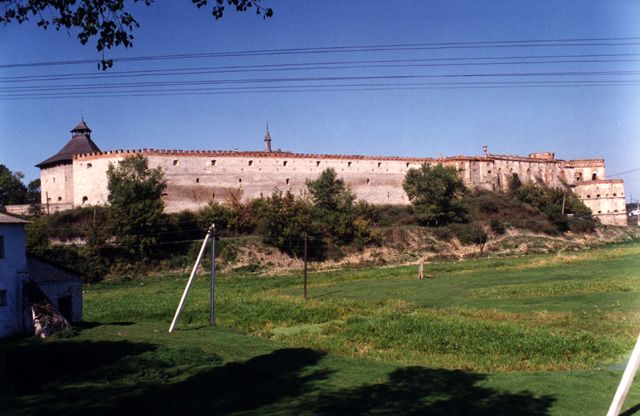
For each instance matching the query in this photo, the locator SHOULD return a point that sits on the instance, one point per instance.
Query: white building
(13, 268)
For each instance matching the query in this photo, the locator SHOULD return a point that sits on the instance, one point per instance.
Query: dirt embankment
(408, 245)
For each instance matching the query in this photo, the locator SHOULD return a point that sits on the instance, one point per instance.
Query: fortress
(76, 175)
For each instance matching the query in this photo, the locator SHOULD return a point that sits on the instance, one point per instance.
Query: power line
(630, 41)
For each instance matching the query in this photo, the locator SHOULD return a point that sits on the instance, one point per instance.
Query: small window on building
(407, 164)
(367, 181)
(240, 180)
(1, 246)
(615, 194)
(593, 177)
(59, 198)
(287, 181)
(250, 162)
(89, 166)
(588, 196)
(3, 298)
(348, 164)
(213, 195)
(165, 194)
(213, 163)
(379, 164)
(318, 163)
(197, 180)
(54, 180)
(598, 196)
(284, 163)
(84, 199)
(175, 162)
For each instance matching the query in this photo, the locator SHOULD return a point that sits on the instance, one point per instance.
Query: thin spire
(267, 141)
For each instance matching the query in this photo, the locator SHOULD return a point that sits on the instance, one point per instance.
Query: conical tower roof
(80, 143)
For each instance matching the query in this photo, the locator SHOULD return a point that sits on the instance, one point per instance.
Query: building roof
(80, 143)
(82, 127)
(8, 219)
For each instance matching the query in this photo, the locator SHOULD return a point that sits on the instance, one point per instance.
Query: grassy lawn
(537, 335)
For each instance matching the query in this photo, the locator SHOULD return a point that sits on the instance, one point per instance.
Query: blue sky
(415, 103)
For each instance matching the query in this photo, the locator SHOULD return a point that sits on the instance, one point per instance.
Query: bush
(498, 227)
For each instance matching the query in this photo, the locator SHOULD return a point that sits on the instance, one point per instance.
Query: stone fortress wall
(196, 178)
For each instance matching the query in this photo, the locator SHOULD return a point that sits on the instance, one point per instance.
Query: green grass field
(537, 335)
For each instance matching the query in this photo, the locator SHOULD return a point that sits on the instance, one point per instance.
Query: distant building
(76, 175)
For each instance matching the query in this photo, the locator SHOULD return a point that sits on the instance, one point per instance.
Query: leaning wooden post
(193, 274)
(625, 383)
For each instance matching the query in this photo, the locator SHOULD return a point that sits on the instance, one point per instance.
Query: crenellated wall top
(584, 163)
(259, 154)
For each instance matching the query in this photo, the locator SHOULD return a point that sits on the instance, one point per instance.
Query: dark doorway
(65, 307)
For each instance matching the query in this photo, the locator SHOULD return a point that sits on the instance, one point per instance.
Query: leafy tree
(333, 206)
(37, 234)
(436, 193)
(136, 216)
(108, 20)
(12, 190)
(33, 189)
(284, 220)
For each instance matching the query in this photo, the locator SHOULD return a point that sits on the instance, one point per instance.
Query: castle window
(379, 164)
(175, 162)
(84, 199)
(598, 196)
(59, 198)
(213, 195)
(213, 163)
(318, 163)
(287, 181)
(593, 177)
(197, 180)
(367, 181)
(250, 162)
(240, 180)
(348, 164)
(407, 164)
(165, 194)
(588, 196)
(89, 166)
(284, 163)
(615, 194)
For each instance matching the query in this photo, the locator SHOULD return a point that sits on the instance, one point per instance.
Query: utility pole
(305, 266)
(212, 319)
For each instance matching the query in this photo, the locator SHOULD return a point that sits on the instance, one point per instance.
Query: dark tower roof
(267, 141)
(80, 143)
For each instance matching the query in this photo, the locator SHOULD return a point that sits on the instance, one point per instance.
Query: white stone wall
(56, 183)
(195, 178)
(606, 200)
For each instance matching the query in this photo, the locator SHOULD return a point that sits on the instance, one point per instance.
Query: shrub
(498, 227)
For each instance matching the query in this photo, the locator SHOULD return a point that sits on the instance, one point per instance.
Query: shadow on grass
(422, 391)
(106, 378)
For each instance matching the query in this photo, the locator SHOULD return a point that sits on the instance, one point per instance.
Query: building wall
(56, 183)
(605, 198)
(13, 266)
(58, 283)
(195, 178)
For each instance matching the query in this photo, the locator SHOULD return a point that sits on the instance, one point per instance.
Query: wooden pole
(305, 266)
(212, 315)
(625, 383)
(186, 289)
